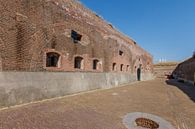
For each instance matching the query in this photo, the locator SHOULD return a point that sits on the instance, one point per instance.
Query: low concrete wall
(23, 87)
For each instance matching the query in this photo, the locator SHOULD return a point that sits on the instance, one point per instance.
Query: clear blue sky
(165, 28)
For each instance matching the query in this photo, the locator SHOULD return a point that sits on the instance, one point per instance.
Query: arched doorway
(139, 73)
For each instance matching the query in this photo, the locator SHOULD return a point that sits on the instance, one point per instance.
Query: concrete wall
(23, 87)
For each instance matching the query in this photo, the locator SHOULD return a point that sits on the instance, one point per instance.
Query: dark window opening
(114, 67)
(122, 67)
(95, 64)
(78, 63)
(121, 53)
(52, 59)
(75, 36)
(127, 67)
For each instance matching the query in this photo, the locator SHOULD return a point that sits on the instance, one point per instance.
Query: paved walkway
(105, 109)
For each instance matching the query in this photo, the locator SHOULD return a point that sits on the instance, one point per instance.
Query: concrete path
(105, 109)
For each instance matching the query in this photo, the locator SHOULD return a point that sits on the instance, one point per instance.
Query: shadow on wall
(188, 89)
(185, 70)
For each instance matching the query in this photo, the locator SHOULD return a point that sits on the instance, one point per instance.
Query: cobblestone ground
(105, 109)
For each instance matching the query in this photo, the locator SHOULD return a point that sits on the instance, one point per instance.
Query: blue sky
(165, 28)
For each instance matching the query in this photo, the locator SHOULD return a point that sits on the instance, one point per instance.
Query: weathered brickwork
(33, 30)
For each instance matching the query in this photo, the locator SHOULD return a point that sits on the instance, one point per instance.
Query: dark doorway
(139, 74)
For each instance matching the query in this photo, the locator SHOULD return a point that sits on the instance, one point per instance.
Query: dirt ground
(105, 109)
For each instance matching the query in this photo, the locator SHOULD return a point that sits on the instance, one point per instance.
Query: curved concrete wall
(23, 87)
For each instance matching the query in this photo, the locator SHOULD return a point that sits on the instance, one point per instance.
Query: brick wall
(28, 30)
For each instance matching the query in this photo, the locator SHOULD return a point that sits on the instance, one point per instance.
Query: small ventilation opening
(121, 53)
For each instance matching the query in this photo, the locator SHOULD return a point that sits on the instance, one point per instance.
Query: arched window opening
(96, 64)
(78, 63)
(127, 68)
(114, 67)
(121, 67)
(52, 59)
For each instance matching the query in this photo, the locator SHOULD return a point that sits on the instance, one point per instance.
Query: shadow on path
(186, 88)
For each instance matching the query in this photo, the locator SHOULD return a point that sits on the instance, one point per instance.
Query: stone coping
(129, 120)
